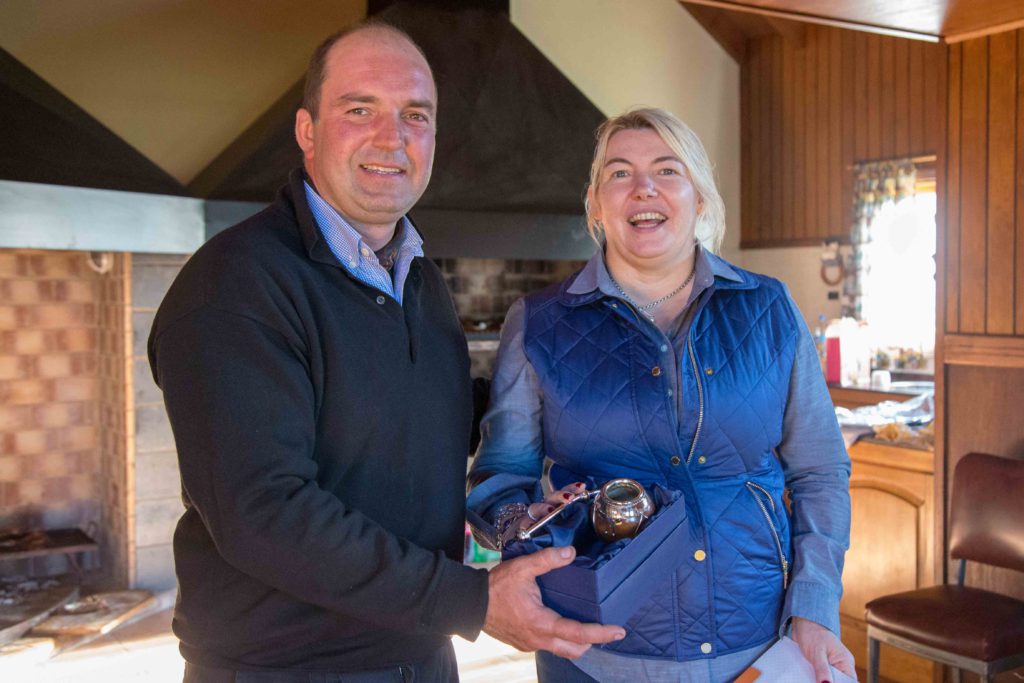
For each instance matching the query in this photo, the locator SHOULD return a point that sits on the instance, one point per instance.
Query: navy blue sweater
(322, 433)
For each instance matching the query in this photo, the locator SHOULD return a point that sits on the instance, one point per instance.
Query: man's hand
(516, 615)
(821, 648)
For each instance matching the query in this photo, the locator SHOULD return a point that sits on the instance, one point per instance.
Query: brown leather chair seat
(963, 627)
(969, 621)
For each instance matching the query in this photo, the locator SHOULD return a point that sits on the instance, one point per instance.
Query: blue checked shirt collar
(356, 256)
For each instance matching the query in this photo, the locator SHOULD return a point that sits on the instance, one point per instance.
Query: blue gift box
(617, 587)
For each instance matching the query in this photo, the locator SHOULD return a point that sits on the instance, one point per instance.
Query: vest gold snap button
(655, 371)
(701, 460)
(709, 371)
(699, 555)
(675, 460)
(705, 648)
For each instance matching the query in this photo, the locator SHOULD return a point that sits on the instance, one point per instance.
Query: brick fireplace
(49, 392)
(84, 438)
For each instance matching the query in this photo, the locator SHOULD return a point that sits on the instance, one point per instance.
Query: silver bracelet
(505, 522)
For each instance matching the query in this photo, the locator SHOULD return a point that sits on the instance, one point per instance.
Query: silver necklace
(657, 302)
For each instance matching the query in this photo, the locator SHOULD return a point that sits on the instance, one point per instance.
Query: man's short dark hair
(316, 71)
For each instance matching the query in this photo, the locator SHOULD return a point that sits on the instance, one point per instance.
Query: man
(317, 382)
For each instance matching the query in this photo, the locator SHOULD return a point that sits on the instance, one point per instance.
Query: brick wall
(114, 409)
(484, 288)
(49, 444)
(157, 491)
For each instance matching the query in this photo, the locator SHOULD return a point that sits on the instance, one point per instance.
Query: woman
(661, 362)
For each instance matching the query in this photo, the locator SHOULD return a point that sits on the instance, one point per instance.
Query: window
(890, 284)
(898, 286)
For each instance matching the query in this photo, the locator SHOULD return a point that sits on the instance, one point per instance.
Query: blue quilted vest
(609, 412)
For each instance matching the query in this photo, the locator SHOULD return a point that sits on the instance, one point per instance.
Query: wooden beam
(816, 19)
(38, 216)
(985, 351)
(981, 32)
(793, 32)
(732, 39)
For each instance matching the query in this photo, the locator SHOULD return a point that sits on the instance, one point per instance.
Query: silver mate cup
(620, 510)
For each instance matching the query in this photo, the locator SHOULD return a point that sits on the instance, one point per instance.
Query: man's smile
(382, 170)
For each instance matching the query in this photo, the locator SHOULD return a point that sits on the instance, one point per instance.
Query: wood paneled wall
(811, 108)
(981, 263)
(985, 187)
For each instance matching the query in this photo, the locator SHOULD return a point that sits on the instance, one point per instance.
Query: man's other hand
(516, 615)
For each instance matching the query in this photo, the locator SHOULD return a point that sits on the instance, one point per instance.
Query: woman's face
(646, 202)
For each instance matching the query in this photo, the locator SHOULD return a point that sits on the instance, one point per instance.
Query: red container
(833, 365)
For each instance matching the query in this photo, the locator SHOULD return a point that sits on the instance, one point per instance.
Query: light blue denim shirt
(356, 256)
(812, 454)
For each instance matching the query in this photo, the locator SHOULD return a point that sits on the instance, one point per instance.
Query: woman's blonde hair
(685, 144)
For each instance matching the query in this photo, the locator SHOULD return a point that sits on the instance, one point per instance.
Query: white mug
(881, 379)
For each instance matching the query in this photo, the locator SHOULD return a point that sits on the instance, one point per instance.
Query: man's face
(370, 151)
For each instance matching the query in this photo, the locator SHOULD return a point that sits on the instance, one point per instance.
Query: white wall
(800, 268)
(647, 52)
(652, 52)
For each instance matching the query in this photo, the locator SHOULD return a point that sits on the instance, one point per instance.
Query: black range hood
(514, 141)
(513, 152)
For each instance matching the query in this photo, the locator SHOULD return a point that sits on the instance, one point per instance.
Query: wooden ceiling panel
(948, 20)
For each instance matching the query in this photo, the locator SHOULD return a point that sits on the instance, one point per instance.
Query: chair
(963, 627)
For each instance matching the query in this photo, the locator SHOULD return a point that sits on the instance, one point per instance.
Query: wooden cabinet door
(891, 545)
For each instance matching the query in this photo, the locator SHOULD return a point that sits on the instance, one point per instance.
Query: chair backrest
(987, 514)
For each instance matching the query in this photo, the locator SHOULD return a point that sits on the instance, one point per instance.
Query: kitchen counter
(853, 397)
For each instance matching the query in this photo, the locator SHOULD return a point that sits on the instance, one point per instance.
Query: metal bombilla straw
(525, 534)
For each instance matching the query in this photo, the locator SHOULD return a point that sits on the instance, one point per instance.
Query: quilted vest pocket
(760, 497)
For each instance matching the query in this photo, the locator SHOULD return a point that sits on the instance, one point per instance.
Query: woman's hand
(550, 502)
(821, 647)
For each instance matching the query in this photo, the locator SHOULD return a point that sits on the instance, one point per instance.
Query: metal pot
(620, 509)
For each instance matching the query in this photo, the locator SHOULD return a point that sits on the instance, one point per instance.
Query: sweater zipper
(700, 400)
(751, 486)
